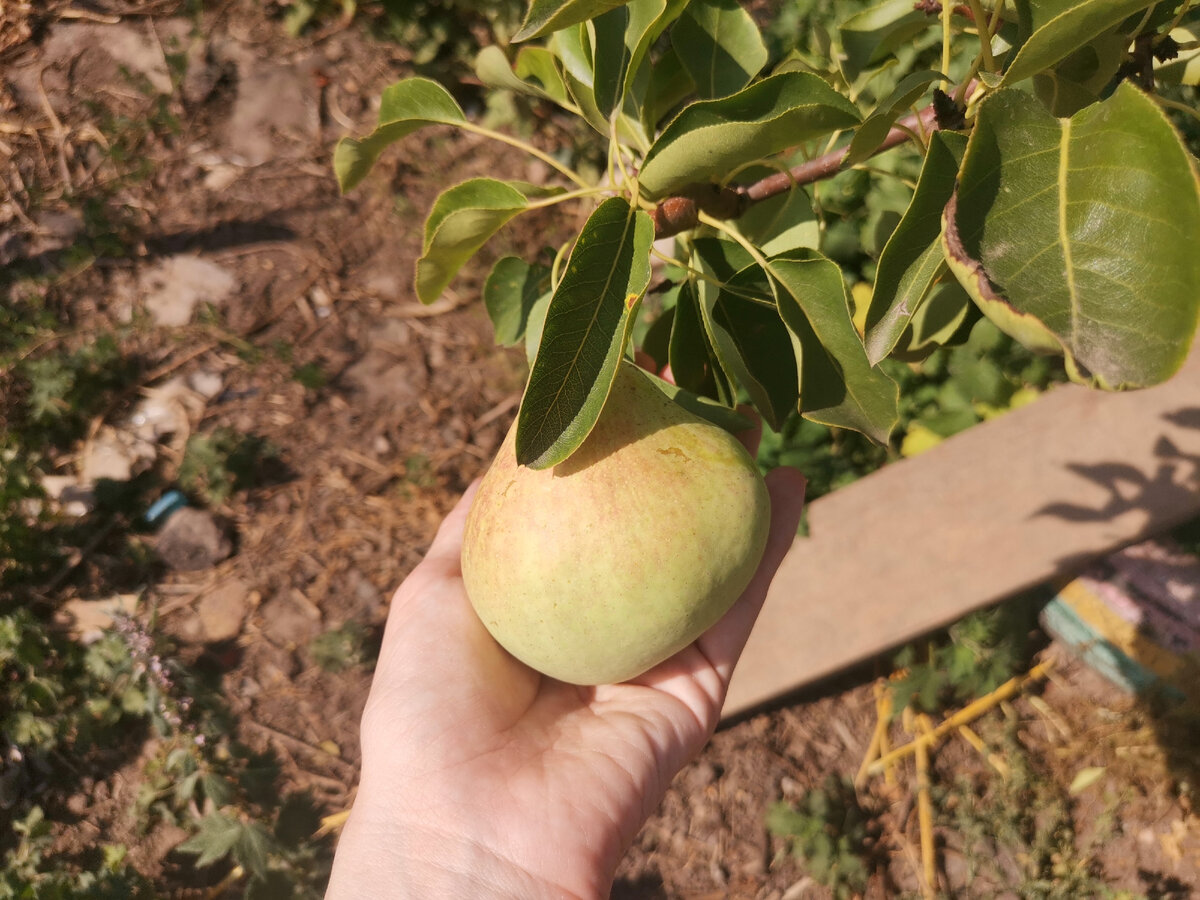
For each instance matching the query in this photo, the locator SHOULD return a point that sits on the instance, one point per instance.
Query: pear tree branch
(681, 212)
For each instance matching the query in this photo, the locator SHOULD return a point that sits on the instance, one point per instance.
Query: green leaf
(1079, 235)
(533, 329)
(584, 335)
(216, 838)
(668, 86)
(574, 49)
(874, 129)
(216, 789)
(541, 65)
(406, 106)
(838, 386)
(492, 68)
(719, 45)
(462, 220)
(1055, 28)
(717, 413)
(610, 59)
(1084, 76)
(718, 260)
(750, 339)
(623, 39)
(938, 319)
(689, 353)
(253, 848)
(509, 295)
(712, 137)
(870, 36)
(912, 261)
(545, 16)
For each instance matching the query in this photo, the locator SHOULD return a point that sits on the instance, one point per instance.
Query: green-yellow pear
(597, 569)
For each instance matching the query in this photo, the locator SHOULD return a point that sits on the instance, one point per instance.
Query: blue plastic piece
(164, 506)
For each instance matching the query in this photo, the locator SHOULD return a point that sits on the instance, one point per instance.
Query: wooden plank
(1007, 505)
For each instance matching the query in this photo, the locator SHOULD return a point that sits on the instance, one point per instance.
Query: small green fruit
(599, 568)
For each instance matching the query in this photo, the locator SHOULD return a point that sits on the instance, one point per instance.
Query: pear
(599, 568)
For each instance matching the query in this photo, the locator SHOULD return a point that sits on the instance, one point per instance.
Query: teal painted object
(1063, 623)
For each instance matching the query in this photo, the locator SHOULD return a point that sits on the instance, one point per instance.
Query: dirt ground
(237, 208)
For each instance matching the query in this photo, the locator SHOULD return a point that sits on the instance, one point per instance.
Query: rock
(116, 455)
(73, 498)
(275, 105)
(192, 540)
(221, 612)
(386, 374)
(102, 52)
(167, 410)
(289, 623)
(89, 619)
(172, 289)
(207, 384)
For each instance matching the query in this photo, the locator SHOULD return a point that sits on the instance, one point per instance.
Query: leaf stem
(947, 33)
(554, 199)
(736, 236)
(1183, 10)
(527, 147)
(716, 282)
(985, 35)
(614, 150)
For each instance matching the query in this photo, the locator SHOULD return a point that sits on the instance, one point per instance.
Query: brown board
(1009, 504)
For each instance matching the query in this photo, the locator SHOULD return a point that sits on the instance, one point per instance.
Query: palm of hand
(538, 784)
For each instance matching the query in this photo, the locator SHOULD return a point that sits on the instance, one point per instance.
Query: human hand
(483, 778)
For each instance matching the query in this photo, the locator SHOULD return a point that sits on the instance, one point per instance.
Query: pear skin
(605, 565)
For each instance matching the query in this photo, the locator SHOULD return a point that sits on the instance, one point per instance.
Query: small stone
(192, 540)
(287, 622)
(207, 384)
(175, 286)
(115, 455)
(222, 611)
(89, 619)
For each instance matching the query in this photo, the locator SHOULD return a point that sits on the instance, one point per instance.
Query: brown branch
(682, 211)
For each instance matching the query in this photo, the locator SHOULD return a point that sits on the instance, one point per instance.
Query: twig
(60, 133)
(968, 734)
(879, 738)
(236, 874)
(680, 213)
(925, 813)
(331, 823)
(964, 716)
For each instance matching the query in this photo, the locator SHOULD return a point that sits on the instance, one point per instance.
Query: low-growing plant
(977, 654)
(340, 648)
(1019, 834)
(828, 830)
(217, 464)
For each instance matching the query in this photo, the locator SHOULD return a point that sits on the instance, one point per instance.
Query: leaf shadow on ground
(1130, 489)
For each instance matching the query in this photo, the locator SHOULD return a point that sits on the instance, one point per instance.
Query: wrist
(381, 858)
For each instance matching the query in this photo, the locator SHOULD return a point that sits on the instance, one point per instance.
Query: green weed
(828, 831)
(1023, 823)
(218, 464)
(340, 648)
(978, 654)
